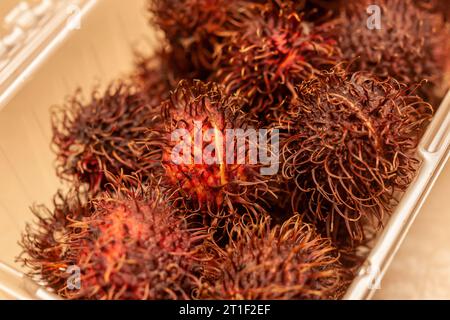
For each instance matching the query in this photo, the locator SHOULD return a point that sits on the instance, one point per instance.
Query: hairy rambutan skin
(350, 148)
(411, 46)
(289, 261)
(193, 28)
(274, 50)
(45, 241)
(220, 188)
(435, 6)
(97, 138)
(319, 11)
(126, 247)
(159, 73)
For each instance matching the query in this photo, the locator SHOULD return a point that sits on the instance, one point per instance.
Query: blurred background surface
(420, 270)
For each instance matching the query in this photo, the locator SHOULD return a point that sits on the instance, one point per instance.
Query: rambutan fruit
(194, 28)
(154, 77)
(290, 261)
(114, 247)
(197, 30)
(45, 242)
(435, 6)
(96, 138)
(274, 50)
(319, 11)
(350, 148)
(411, 45)
(160, 72)
(209, 152)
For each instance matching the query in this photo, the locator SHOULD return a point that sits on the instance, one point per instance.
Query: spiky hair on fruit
(96, 138)
(204, 169)
(411, 45)
(193, 28)
(197, 30)
(274, 50)
(124, 246)
(159, 73)
(350, 148)
(289, 261)
(153, 75)
(319, 11)
(44, 241)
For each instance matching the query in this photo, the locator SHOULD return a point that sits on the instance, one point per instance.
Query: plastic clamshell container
(97, 51)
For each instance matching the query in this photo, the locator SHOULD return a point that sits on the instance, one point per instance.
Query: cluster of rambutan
(170, 210)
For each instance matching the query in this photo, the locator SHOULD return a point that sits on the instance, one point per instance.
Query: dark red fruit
(411, 44)
(274, 50)
(96, 138)
(220, 187)
(124, 247)
(195, 28)
(350, 148)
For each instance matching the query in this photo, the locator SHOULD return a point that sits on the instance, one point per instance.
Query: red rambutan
(290, 261)
(274, 50)
(435, 6)
(154, 77)
(350, 148)
(123, 247)
(205, 167)
(195, 28)
(160, 72)
(319, 11)
(97, 138)
(410, 44)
